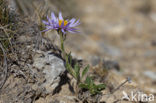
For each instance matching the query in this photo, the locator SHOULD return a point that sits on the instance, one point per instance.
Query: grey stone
(150, 53)
(52, 67)
(150, 74)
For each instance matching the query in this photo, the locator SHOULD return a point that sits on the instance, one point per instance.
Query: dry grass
(6, 32)
(5, 39)
(4, 13)
(5, 67)
(37, 10)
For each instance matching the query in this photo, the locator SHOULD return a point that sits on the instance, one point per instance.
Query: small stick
(38, 40)
(9, 39)
(5, 66)
(127, 80)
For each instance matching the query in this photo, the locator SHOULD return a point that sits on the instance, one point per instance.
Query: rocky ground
(117, 39)
(123, 31)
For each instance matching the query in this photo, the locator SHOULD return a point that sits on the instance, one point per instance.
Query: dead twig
(5, 67)
(9, 38)
(38, 40)
(127, 80)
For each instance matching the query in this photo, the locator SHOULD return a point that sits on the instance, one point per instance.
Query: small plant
(62, 27)
(91, 86)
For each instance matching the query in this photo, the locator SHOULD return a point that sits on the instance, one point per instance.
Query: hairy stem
(64, 55)
(62, 45)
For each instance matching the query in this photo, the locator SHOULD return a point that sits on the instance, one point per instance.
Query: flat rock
(52, 67)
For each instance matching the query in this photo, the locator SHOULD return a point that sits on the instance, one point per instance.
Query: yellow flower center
(65, 22)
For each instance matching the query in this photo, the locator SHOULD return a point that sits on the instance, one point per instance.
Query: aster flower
(52, 23)
(60, 24)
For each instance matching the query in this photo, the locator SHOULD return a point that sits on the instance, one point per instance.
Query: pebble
(150, 74)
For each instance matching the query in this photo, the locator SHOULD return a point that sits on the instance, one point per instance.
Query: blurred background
(123, 31)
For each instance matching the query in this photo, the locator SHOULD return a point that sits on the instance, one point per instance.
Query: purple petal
(48, 19)
(63, 31)
(62, 25)
(53, 16)
(67, 25)
(50, 28)
(45, 22)
(75, 24)
(72, 20)
(57, 25)
(73, 30)
(60, 16)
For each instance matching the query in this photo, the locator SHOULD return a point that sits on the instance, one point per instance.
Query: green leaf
(84, 86)
(100, 87)
(88, 80)
(68, 66)
(77, 71)
(66, 58)
(70, 58)
(93, 86)
(94, 91)
(85, 71)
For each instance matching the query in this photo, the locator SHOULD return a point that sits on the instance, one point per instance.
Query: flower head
(59, 23)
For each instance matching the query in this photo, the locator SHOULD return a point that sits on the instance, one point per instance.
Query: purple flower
(59, 23)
